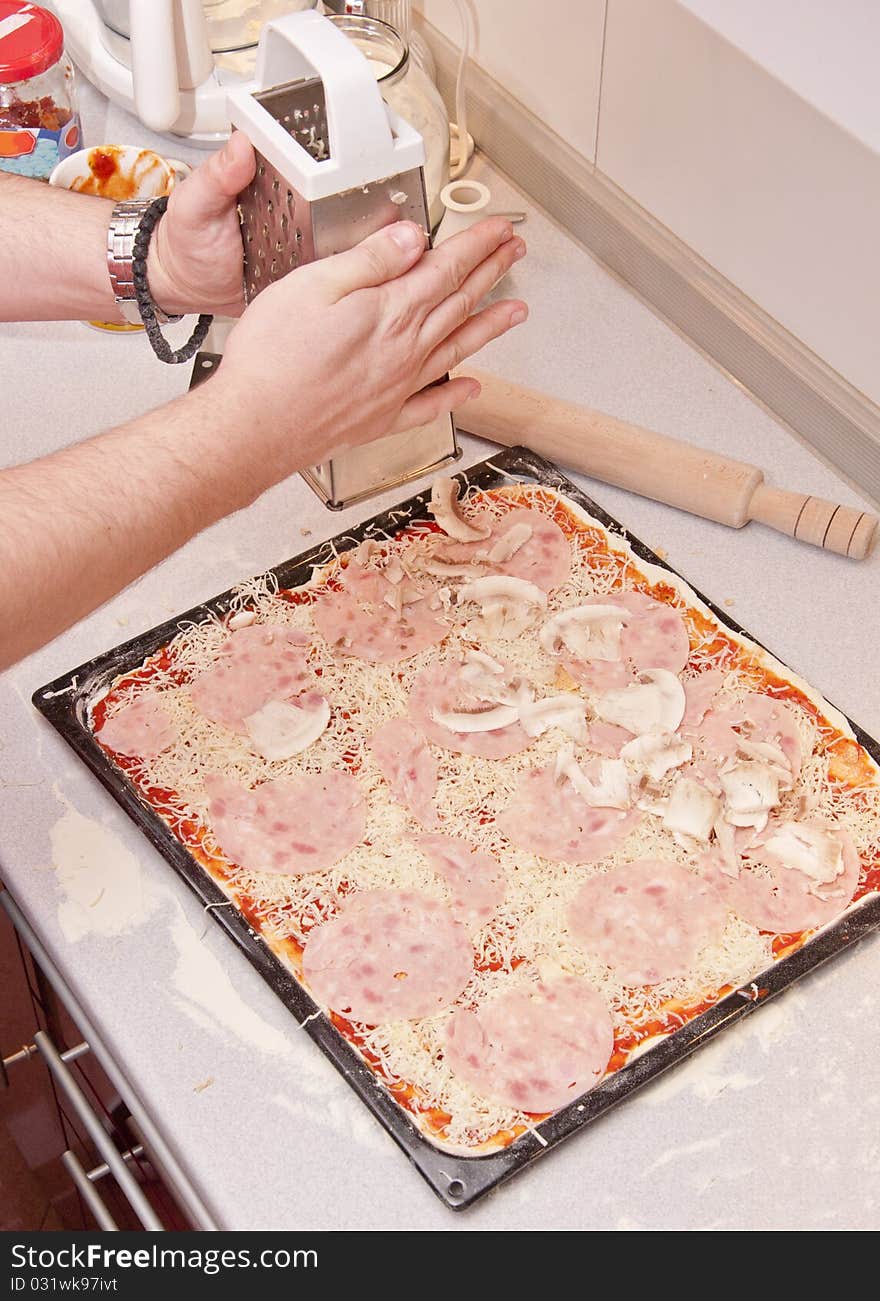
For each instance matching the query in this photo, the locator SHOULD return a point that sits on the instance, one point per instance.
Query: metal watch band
(124, 222)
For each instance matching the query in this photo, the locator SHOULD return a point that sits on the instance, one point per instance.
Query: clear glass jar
(407, 88)
(39, 122)
(398, 14)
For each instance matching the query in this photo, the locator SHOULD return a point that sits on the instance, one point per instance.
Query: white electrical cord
(461, 145)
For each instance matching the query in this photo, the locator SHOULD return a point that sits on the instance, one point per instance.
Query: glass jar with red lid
(39, 122)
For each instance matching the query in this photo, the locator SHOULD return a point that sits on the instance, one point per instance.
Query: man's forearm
(79, 525)
(53, 254)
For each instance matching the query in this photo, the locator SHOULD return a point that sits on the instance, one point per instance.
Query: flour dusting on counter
(202, 985)
(687, 1149)
(775, 1022)
(102, 887)
(704, 1075)
(331, 1104)
(104, 892)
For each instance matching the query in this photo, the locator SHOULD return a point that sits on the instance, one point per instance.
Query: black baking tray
(459, 1180)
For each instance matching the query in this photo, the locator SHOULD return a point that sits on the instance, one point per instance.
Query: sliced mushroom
(482, 717)
(612, 791)
(503, 587)
(657, 752)
(477, 664)
(445, 507)
(437, 567)
(707, 772)
(497, 620)
(649, 800)
(394, 570)
(770, 754)
(440, 600)
(655, 703)
(282, 729)
(751, 790)
(394, 598)
(364, 552)
(508, 606)
(242, 619)
(815, 851)
(509, 543)
(490, 681)
(567, 712)
(400, 594)
(587, 632)
(691, 810)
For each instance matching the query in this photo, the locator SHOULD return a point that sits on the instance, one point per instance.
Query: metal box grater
(334, 164)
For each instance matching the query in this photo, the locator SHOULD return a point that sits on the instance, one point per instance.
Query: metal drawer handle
(89, 1192)
(161, 1157)
(97, 1133)
(101, 1171)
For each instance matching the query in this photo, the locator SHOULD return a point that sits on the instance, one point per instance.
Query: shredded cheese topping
(528, 936)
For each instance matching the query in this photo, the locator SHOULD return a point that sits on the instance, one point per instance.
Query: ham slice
(388, 955)
(290, 825)
(699, 692)
(599, 676)
(256, 664)
(283, 728)
(655, 636)
(377, 620)
(535, 1049)
(543, 558)
(475, 878)
(141, 728)
(778, 897)
(647, 919)
(607, 739)
(443, 689)
(408, 766)
(549, 818)
(756, 718)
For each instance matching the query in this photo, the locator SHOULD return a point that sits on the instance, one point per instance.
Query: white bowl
(119, 172)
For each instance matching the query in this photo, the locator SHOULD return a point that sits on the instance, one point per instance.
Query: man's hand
(334, 354)
(344, 350)
(195, 259)
(53, 246)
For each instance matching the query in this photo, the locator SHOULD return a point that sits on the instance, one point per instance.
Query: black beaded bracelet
(146, 306)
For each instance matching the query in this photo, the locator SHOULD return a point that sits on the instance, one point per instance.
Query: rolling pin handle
(680, 474)
(845, 530)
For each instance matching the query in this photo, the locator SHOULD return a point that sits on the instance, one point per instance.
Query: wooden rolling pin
(665, 469)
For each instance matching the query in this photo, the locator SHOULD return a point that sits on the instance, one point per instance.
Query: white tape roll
(465, 196)
(464, 201)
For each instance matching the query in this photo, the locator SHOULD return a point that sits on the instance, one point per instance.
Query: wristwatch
(124, 222)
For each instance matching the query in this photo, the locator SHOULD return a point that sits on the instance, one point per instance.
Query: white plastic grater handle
(367, 141)
(311, 46)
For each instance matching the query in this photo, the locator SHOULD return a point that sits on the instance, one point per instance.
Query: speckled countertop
(774, 1125)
